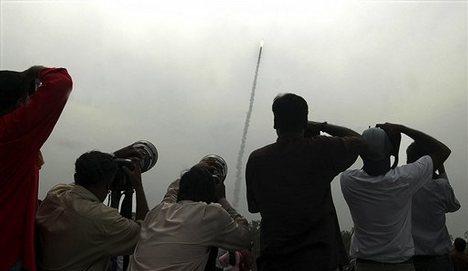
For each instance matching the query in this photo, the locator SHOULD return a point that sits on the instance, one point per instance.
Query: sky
(179, 74)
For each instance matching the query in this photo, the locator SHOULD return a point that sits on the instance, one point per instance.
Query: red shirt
(22, 133)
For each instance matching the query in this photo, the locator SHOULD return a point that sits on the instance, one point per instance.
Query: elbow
(60, 79)
(246, 239)
(66, 82)
(444, 155)
(253, 209)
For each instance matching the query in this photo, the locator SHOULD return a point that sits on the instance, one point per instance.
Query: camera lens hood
(150, 154)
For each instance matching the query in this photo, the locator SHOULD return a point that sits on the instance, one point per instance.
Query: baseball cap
(378, 142)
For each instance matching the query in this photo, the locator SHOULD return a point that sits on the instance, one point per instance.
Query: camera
(147, 154)
(216, 166)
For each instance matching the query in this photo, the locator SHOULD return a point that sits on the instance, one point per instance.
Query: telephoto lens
(147, 154)
(217, 166)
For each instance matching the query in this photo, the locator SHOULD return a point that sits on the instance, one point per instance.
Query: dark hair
(459, 244)
(13, 87)
(414, 152)
(197, 184)
(94, 167)
(290, 112)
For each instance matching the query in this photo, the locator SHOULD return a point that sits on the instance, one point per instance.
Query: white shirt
(381, 210)
(179, 235)
(430, 204)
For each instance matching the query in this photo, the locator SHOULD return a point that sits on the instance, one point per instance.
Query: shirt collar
(84, 193)
(289, 138)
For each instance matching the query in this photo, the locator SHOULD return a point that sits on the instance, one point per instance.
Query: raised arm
(442, 172)
(314, 127)
(252, 204)
(135, 179)
(438, 151)
(38, 116)
(233, 232)
(172, 192)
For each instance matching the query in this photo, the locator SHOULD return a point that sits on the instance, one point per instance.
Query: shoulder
(352, 172)
(60, 188)
(422, 166)
(110, 222)
(351, 175)
(214, 207)
(216, 210)
(262, 151)
(56, 193)
(441, 185)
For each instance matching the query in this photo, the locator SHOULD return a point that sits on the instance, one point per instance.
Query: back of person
(381, 208)
(458, 255)
(295, 200)
(176, 234)
(288, 182)
(23, 131)
(379, 197)
(430, 204)
(179, 233)
(78, 232)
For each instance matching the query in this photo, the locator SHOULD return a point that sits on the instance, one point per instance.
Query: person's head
(95, 171)
(216, 165)
(15, 88)
(379, 148)
(290, 113)
(414, 152)
(459, 244)
(197, 184)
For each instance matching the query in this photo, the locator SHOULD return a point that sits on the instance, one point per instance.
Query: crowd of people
(398, 211)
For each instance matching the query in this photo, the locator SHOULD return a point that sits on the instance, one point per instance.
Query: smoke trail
(237, 184)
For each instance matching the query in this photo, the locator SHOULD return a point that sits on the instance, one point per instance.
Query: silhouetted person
(288, 182)
(30, 104)
(459, 256)
(379, 197)
(193, 217)
(77, 231)
(432, 242)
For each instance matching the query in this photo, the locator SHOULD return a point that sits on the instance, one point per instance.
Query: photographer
(76, 230)
(380, 196)
(31, 102)
(179, 232)
(432, 243)
(288, 182)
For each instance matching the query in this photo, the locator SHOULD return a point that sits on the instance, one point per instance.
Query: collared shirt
(78, 232)
(179, 235)
(381, 210)
(430, 204)
(22, 134)
(288, 182)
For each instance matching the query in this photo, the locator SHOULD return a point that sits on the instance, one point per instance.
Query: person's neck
(99, 192)
(376, 168)
(290, 134)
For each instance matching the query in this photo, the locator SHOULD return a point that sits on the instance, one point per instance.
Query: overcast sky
(179, 74)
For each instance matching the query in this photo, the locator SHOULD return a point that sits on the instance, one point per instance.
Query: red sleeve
(35, 120)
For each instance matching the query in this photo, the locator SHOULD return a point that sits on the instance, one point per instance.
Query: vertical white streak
(237, 184)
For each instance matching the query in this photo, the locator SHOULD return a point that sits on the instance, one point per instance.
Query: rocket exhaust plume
(237, 184)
